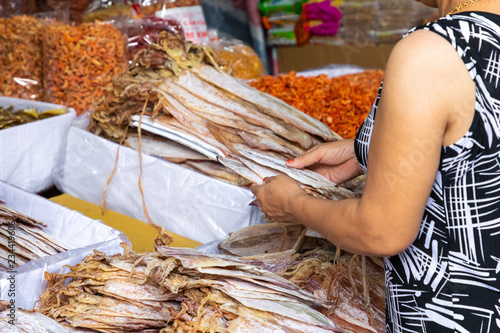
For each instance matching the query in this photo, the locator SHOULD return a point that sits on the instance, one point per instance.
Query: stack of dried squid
(183, 290)
(180, 86)
(23, 321)
(353, 285)
(22, 239)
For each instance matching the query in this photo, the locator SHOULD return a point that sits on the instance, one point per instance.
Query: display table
(141, 234)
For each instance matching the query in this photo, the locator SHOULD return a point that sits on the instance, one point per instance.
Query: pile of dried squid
(305, 285)
(23, 238)
(181, 86)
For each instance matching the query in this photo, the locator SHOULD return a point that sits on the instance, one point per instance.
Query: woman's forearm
(346, 224)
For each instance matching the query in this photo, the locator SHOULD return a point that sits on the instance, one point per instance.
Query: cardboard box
(300, 58)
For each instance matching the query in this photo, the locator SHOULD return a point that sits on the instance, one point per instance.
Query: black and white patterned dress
(448, 280)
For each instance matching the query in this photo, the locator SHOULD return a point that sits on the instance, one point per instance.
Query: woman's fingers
(310, 158)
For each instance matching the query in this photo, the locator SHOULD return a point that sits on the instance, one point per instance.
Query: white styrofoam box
(182, 201)
(29, 152)
(82, 234)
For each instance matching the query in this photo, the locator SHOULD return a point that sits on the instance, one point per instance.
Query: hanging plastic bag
(144, 31)
(75, 7)
(19, 7)
(107, 10)
(188, 13)
(80, 61)
(245, 63)
(21, 57)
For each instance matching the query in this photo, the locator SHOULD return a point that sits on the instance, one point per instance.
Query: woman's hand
(277, 196)
(334, 160)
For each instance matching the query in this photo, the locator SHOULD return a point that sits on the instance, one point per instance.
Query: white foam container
(29, 152)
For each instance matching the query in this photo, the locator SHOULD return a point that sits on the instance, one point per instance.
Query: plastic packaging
(21, 57)
(18, 7)
(281, 36)
(30, 152)
(75, 7)
(245, 63)
(143, 32)
(80, 61)
(81, 233)
(359, 21)
(317, 19)
(185, 202)
(107, 10)
(188, 13)
(151, 7)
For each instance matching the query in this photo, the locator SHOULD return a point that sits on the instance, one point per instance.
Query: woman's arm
(427, 102)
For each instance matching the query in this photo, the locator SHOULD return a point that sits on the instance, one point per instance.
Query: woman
(431, 152)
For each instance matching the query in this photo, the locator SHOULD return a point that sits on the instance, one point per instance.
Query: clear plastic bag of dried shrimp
(80, 61)
(21, 57)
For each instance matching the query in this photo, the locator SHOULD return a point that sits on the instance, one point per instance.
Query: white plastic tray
(79, 232)
(185, 202)
(29, 152)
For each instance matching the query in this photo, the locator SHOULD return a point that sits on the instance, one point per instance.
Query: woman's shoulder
(422, 48)
(425, 64)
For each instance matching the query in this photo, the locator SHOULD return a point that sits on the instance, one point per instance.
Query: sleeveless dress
(448, 280)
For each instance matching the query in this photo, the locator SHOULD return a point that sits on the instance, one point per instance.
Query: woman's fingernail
(264, 180)
(289, 161)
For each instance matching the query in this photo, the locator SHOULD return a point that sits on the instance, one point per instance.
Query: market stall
(140, 115)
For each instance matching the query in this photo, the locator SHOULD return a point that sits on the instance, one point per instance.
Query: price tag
(191, 19)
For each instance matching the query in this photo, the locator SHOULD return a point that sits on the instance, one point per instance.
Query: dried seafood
(261, 284)
(180, 290)
(22, 321)
(21, 57)
(244, 62)
(9, 117)
(340, 102)
(354, 285)
(181, 87)
(22, 239)
(79, 62)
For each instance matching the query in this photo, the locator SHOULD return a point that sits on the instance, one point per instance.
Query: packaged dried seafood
(188, 13)
(244, 62)
(74, 7)
(19, 7)
(99, 10)
(144, 31)
(10, 117)
(80, 61)
(21, 57)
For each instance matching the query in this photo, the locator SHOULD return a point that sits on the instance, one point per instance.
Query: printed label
(192, 21)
